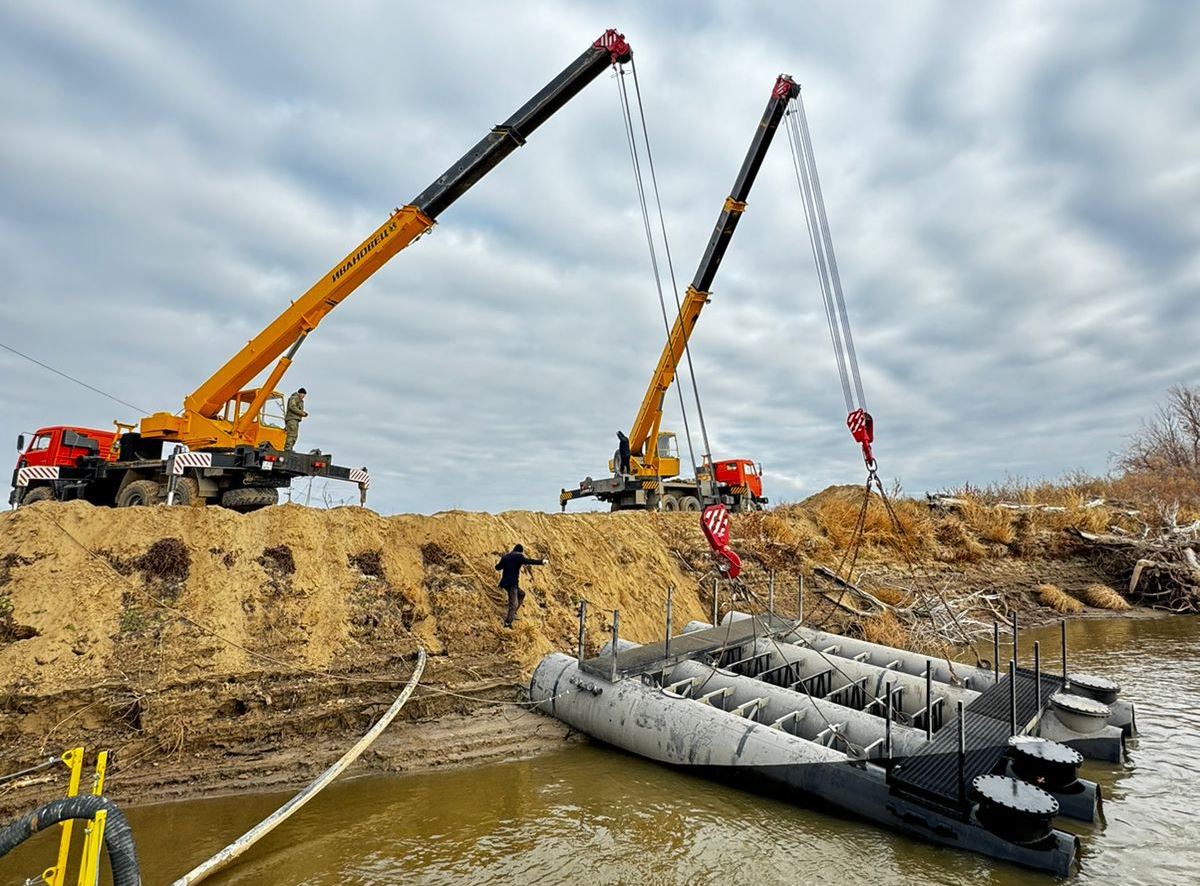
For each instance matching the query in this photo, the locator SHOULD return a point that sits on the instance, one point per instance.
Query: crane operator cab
(255, 406)
(668, 454)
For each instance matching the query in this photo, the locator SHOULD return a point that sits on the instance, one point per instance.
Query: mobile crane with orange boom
(653, 480)
(234, 452)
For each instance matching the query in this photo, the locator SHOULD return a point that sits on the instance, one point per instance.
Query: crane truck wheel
(250, 498)
(669, 503)
(38, 493)
(187, 492)
(689, 503)
(138, 493)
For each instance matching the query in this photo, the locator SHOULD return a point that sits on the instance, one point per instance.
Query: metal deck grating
(932, 773)
(653, 656)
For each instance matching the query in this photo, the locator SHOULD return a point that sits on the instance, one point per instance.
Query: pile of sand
(162, 595)
(174, 594)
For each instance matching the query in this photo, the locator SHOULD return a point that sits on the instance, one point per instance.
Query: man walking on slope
(291, 418)
(509, 568)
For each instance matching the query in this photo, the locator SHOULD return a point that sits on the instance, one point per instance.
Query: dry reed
(1104, 597)
(1054, 597)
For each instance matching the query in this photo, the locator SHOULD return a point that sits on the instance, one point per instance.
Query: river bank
(584, 813)
(215, 652)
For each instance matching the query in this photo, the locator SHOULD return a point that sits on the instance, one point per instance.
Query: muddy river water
(594, 815)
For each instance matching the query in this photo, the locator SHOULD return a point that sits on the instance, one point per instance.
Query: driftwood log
(1163, 568)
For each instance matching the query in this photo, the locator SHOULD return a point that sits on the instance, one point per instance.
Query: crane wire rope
(687, 348)
(72, 378)
(802, 182)
(821, 241)
(831, 281)
(639, 182)
(827, 237)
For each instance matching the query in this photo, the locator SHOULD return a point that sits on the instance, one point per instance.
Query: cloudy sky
(1012, 189)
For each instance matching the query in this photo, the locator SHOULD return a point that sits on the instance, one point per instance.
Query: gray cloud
(1012, 192)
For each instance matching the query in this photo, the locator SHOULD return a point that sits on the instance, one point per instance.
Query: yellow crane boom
(223, 411)
(645, 427)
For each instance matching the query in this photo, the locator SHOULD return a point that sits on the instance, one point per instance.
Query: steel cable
(847, 338)
(641, 192)
(823, 282)
(687, 348)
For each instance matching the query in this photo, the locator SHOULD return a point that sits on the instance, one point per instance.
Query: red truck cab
(737, 472)
(63, 447)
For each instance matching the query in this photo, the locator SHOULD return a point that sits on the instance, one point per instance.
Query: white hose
(284, 812)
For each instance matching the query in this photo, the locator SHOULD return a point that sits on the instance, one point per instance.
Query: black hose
(118, 838)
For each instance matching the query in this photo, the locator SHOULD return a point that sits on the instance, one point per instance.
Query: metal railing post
(962, 755)
(928, 700)
(996, 651)
(582, 624)
(887, 723)
(1037, 673)
(716, 589)
(1012, 697)
(615, 640)
(799, 598)
(771, 596)
(1016, 653)
(1064, 652)
(670, 595)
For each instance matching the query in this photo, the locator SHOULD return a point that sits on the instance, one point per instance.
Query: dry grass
(890, 596)
(991, 524)
(1054, 597)
(957, 543)
(884, 629)
(1104, 597)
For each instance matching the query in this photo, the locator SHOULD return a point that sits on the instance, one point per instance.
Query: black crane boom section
(785, 90)
(610, 49)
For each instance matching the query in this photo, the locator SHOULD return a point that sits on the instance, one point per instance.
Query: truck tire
(36, 494)
(138, 493)
(187, 493)
(689, 503)
(669, 503)
(250, 498)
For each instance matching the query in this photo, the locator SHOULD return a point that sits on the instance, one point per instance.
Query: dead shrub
(167, 559)
(1104, 597)
(890, 596)
(369, 563)
(959, 545)
(278, 560)
(885, 630)
(1053, 596)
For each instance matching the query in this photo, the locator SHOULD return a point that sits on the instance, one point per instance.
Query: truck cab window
(40, 443)
(272, 412)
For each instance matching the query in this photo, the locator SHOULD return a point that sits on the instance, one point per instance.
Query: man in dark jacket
(509, 568)
(622, 454)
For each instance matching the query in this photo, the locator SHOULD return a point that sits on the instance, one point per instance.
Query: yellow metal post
(89, 864)
(98, 778)
(54, 876)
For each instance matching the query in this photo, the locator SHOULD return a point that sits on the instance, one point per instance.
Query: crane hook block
(714, 521)
(614, 41)
(862, 429)
(785, 87)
